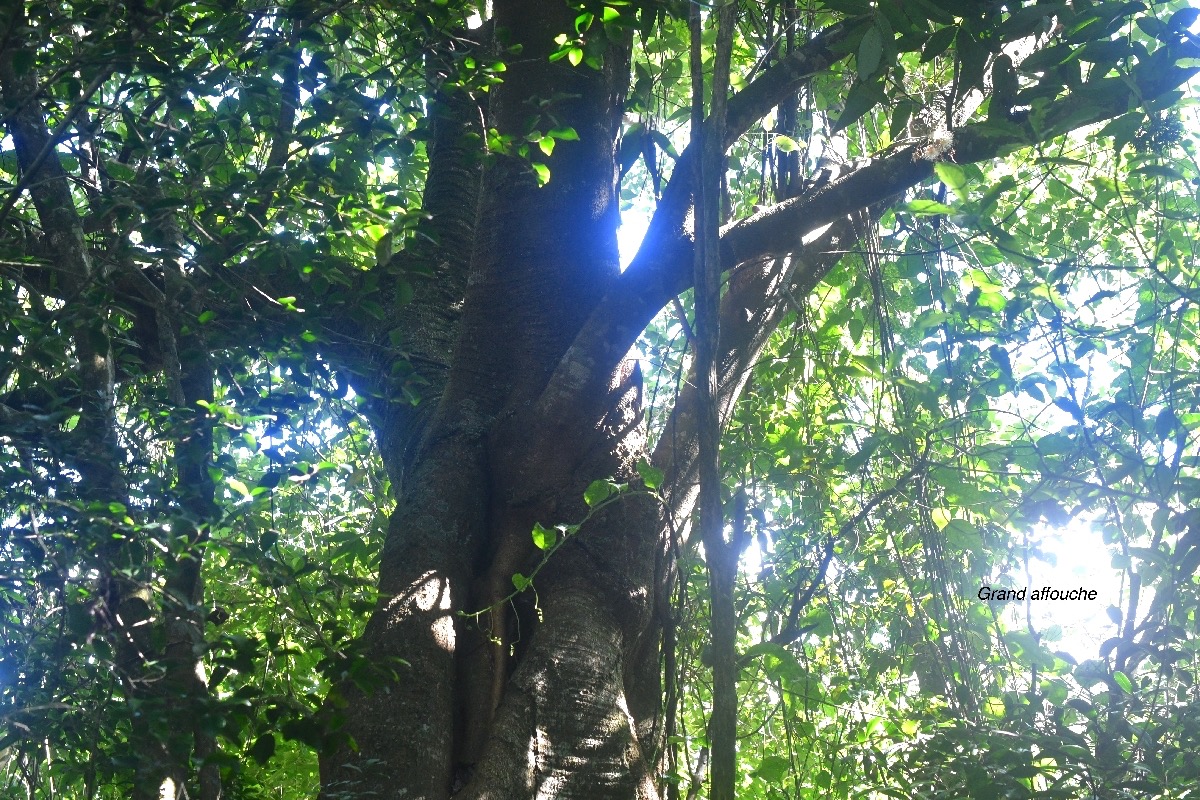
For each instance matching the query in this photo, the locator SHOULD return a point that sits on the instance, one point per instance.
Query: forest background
(344, 453)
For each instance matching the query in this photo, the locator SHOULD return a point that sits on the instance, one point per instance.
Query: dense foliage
(194, 503)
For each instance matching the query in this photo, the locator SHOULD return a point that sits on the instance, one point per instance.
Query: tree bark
(475, 694)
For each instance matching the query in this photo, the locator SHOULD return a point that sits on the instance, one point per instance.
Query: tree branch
(757, 299)
(721, 556)
(775, 84)
(47, 184)
(437, 263)
(663, 271)
(791, 630)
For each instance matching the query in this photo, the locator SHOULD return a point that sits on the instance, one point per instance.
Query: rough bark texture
(556, 693)
(512, 702)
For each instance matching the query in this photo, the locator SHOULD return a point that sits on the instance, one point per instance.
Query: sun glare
(634, 222)
(1072, 556)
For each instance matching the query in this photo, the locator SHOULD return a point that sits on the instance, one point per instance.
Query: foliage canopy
(241, 244)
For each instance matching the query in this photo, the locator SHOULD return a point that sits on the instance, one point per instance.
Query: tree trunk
(555, 691)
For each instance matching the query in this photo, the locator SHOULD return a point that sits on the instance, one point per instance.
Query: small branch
(791, 630)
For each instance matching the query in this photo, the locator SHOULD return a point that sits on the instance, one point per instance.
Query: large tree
(417, 207)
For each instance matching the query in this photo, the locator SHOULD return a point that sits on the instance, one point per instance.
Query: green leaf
(1123, 129)
(543, 173)
(849, 7)
(1070, 406)
(543, 538)
(1154, 27)
(962, 535)
(861, 98)
(1166, 424)
(118, 171)
(546, 145)
(1046, 58)
(652, 477)
(773, 769)
(599, 491)
(1183, 19)
(1005, 184)
(1123, 681)
(664, 144)
(520, 582)
(1159, 171)
(900, 117)
(1026, 21)
(786, 144)
(1056, 692)
(575, 56)
(924, 207)
(308, 730)
(263, 748)
(270, 479)
(238, 486)
(939, 42)
(954, 176)
(941, 517)
(870, 52)
(1105, 50)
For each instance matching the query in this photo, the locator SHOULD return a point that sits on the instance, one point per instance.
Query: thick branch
(768, 90)
(784, 78)
(782, 229)
(791, 630)
(618, 320)
(437, 264)
(34, 429)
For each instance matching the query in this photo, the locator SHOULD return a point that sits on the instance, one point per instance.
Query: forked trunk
(553, 691)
